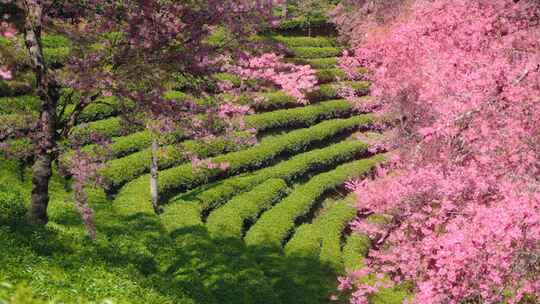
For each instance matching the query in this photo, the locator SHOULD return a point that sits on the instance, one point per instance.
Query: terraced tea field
(270, 229)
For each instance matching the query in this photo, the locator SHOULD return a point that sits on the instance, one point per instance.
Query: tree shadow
(184, 266)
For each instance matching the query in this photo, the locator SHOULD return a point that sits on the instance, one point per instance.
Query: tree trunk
(154, 173)
(48, 91)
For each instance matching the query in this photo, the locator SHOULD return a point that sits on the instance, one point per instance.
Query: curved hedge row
(306, 242)
(182, 178)
(122, 170)
(298, 117)
(322, 238)
(318, 63)
(331, 90)
(274, 225)
(17, 122)
(332, 224)
(109, 128)
(288, 170)
(330, 75)
(315, 52)
(19, 104)
(229, 220)
(119, 171)
(301, 41)
(355, 249)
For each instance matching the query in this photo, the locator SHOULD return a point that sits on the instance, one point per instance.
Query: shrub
(332, 90)
(103, 108)
(19, 104)
(12, 207)
(182, 178)
(56, 57)
(305, 41)
(315, 52)
(319, 63)
(289, 170)
(274, 225)
(330, 75)
(356, 248)
(55, 41)
(228, 221)
(299, 117)
(110, 127)
(306, 242)
(14, 88)
(122, 170)
(332, 224)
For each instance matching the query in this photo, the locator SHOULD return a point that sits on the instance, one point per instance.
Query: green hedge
(356, 248)
(330, 90)
(322, 238)
(333, 223)
(269, 100)
(315, 52)
(235, 80)
(14, 88)
(330, 75)
(110, 127)
(56, 57)
(55, 41)
(279, 99)
(289, 170)
(19, 104)
(319, 63)
(187, 213)
(306, 242)
(123, 170)
(182, 178)
(299, 41)
(17, 122)
(120, 146)
(274, 225)
(298, 117)
(104, 107)
(301, 23)
(228, 221)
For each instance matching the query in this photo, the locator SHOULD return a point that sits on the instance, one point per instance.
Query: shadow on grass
(185, 266)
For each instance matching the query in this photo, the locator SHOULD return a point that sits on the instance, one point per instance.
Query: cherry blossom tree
(129, 49)
(459, 83)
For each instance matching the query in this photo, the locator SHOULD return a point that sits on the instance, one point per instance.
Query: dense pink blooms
(295, 80)
(460, 80)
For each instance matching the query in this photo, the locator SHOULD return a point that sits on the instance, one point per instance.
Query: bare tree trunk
(154, 173)
(48, 91)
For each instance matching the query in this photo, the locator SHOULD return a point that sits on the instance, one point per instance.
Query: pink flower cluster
(7, 31)
(462, 79)
(295, 80)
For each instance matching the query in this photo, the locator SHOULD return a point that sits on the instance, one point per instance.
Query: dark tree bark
(48, 91)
